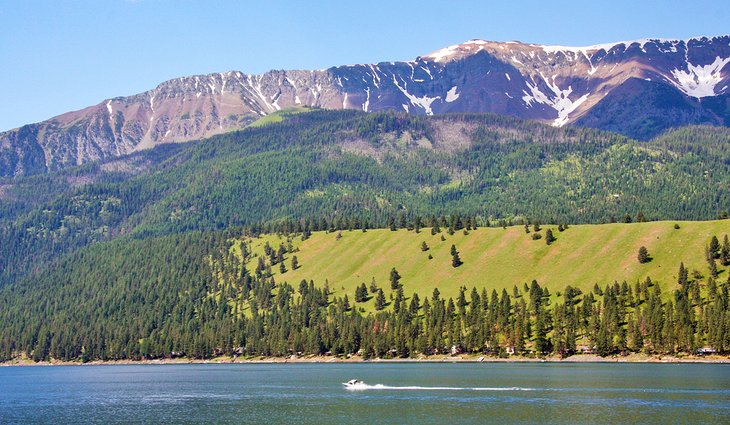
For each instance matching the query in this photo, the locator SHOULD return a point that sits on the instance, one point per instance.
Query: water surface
(433, 393)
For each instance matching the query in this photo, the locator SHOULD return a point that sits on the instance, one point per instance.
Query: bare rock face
(638, 88)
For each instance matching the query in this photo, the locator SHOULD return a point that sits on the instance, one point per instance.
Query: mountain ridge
(554, 84)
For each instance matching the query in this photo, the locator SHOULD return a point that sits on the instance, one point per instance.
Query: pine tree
(415, 304)
(394, 279)
(725, 252)
(643, 256)
(682, 276)
(380, 300)
(424, 246)
(549, 238)
(294, 262)
(398, 302)
(361, 293)
(713, 268)
(455, 259)
(714, 248)
(373, 286)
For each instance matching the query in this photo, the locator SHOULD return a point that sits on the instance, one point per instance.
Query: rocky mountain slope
(638, 88)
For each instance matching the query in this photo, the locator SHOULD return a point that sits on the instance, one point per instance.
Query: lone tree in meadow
(455, 259)
(424, 246)
(294, 262)
(394, 279)
(549, 238)
(643, 255)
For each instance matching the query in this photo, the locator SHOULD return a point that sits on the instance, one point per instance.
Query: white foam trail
(363, 387)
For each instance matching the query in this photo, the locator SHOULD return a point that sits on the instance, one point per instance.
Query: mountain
(341, 169)
(163, 252)
(637, 88)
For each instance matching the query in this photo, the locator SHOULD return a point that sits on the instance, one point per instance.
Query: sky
(64, 55)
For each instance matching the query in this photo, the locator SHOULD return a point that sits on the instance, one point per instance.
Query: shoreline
(579, 358)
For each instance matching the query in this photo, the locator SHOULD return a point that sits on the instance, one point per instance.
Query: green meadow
(498, 258)
(278, 116)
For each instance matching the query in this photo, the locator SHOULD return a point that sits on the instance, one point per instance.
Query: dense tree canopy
(191, 295)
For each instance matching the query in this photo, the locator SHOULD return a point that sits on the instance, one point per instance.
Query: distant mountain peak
(658, 84)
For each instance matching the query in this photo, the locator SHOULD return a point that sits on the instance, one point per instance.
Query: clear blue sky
(62, 55)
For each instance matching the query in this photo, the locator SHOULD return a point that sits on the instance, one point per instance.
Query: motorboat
(354, 384)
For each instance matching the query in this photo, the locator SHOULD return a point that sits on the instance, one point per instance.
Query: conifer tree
(549, 238)
(394, 279)
(725, 252)
(455, 259)
(380, 300)
(643, 256)
(399, 300)
(373, 286)
(682, 276)
(714, 248)
(361, 293)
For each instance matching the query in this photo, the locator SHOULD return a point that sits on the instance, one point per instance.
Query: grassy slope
(500, 258)
(278, 116)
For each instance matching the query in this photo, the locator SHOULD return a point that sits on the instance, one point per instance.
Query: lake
(399, 393)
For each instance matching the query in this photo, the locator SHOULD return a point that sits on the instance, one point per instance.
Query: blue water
(432, 393)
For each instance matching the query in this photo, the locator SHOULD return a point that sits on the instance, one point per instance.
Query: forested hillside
(163, 253)
(208, 294)
(341, 169)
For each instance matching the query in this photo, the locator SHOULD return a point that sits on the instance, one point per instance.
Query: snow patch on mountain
(452, 95)
(443, 55)
(609, 46)
(152, 108)
(698, 80)
(559, 100)
(424, 102)
(366, 104)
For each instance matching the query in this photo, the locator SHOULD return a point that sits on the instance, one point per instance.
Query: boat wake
(362, 387)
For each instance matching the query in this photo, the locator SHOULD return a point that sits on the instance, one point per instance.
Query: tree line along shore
(205, 295)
